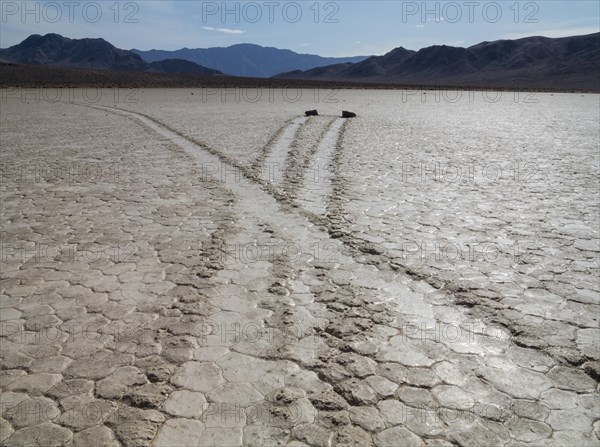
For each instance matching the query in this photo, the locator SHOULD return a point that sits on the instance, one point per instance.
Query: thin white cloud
(224, 30)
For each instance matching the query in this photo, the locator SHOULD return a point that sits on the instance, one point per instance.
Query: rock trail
(272, 324)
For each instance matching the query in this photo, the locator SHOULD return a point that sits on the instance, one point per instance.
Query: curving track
(279, 326)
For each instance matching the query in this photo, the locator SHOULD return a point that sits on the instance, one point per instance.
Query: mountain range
(247, 60)
(56, 50)
(568, 62)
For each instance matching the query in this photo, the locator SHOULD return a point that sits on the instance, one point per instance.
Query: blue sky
(342, 28)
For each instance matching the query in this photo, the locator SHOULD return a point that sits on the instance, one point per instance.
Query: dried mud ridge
(332, 360)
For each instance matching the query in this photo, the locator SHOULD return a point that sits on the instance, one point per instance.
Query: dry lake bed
(212, 268)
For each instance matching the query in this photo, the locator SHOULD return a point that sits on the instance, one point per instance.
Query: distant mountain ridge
(56, 50)
(568, 62)
(247, 59)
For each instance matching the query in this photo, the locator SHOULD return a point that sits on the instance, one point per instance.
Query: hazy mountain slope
(180, 66)
(247, 59)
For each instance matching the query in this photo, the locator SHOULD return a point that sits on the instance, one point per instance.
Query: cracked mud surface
(163, 285)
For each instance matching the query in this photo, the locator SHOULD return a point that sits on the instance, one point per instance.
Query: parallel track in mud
(380, 295)
(369, 353)
(334, 223)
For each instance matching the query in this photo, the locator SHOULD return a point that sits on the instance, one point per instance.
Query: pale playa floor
(159, 287)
